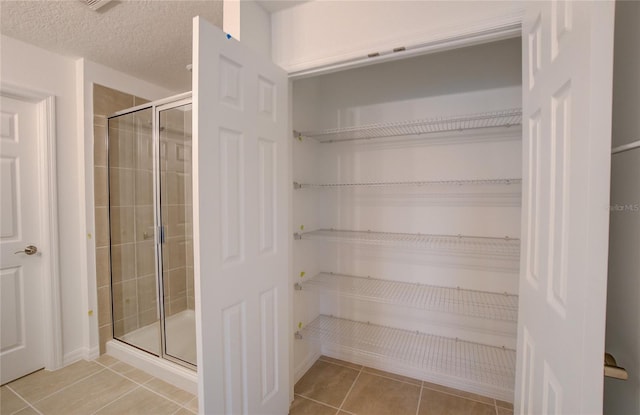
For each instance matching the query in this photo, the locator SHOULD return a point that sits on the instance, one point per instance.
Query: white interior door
(21, 269)
(567, 74)
(241, 238)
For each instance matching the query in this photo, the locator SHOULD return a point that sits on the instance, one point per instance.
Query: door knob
(29, 250)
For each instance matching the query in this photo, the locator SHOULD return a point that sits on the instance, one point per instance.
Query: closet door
(567, 76)
(241, 237)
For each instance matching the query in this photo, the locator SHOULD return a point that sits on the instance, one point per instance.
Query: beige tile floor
(334, 387)
(105, 386)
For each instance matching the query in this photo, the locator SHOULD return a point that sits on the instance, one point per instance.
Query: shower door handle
(161, 234)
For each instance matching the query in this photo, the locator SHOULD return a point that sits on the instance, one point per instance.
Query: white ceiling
(149, 39)
(277, 5)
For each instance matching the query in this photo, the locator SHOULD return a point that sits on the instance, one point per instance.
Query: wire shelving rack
(474, 303)
(502, 118)
(487, 367)
(454, 244)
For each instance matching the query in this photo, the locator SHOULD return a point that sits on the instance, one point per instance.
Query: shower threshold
(180, 330)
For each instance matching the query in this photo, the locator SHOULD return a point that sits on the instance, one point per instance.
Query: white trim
(86, 254)
(491, 31)
(305, 365)
(626, 147)
(74, 356)
(47, 180)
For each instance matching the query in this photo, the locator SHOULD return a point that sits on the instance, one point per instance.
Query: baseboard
(306, 364)
(93, 353)
(74, 356)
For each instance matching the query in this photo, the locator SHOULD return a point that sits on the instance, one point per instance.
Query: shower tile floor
(335, 387)
(103, 386)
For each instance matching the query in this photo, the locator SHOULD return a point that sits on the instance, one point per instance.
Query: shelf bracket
(297, 286)
(297, 185)
(297, 335)
(297, 236)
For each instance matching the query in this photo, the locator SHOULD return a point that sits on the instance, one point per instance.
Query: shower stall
(151, 232)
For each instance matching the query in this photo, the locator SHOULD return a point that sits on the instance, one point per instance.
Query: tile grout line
(420, 397)
(181, 408)
(185, 404)
(390, 378)
(125, 376)
(144, 385)
(339, 364)
(411, 383)
(68, 386)
(25, 401)
(350, 389)
(316, 401)
(371, 373)
(115, 400)
(165, 397)
(458, 396)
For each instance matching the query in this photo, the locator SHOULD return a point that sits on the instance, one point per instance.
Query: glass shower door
(178, 303)
(134, 287)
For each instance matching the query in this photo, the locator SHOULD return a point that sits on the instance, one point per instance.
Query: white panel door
(21, 269)
(241, 238)
(567, 81)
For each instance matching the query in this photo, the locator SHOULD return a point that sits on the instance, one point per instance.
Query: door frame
(501, 28)
(48, 198)
(497, 29)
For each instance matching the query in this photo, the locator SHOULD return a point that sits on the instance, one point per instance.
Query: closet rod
(626, 147)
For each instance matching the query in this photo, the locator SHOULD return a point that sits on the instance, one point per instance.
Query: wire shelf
(503, 118)
(482, 304)
(455, 244)
(485, 366)
(472, 182)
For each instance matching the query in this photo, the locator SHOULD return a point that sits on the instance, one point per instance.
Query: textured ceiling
(150, 40)
(276, 5)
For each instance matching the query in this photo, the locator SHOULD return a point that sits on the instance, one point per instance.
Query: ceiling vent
(95, 4)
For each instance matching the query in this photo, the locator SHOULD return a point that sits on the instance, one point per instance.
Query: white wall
(324, 32)
(463, 81)
(623, 285)
(89, 73)
(248, 22)
(71, 82)
(34, 68)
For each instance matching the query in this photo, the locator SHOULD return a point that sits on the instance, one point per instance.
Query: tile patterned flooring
(105, 386)
(335, 387)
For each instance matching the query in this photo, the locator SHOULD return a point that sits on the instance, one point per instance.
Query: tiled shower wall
(107, 101)
(130, 265)
(176, 196)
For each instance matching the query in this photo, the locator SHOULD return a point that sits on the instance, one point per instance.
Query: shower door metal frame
(156, 106)
(175, 103)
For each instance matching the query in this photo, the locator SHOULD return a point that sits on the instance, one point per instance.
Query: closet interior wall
(458, 183)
